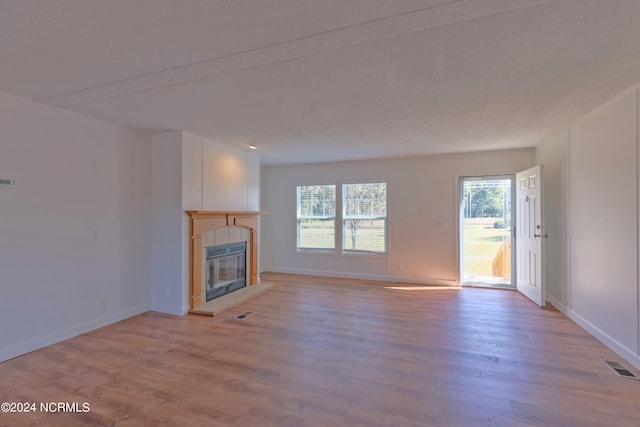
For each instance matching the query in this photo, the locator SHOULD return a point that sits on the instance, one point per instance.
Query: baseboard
(562, 307)
(176, 310)
(45, 340)
(373, 277)
(602, 336)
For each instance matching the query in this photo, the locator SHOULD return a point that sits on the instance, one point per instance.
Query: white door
(529, 234)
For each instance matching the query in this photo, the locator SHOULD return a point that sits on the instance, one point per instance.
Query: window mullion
(339, 218)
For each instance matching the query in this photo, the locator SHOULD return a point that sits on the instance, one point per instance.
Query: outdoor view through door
(486, 248)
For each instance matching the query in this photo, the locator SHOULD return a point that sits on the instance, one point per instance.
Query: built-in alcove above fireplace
(224, 254)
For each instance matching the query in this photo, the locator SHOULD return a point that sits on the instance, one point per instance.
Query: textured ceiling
(321, 80)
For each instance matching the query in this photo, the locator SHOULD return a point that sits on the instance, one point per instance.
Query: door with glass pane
(486, 232)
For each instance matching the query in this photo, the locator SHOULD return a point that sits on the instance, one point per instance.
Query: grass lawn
(321, 234)
(481, 241)
(481, 244)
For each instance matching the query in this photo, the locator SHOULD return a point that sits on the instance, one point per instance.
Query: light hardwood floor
(331, 352)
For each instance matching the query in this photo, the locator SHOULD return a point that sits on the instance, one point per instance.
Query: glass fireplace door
(225, 269)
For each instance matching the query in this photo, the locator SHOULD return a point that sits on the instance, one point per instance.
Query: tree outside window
(316, 216)
(364, 217)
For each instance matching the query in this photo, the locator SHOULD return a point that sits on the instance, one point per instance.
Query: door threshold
(489, 286)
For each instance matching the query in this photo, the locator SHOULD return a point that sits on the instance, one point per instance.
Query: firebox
(226, 269)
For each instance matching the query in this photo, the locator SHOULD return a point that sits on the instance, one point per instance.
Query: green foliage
(317, 201)
(485, 199)
(499, 224)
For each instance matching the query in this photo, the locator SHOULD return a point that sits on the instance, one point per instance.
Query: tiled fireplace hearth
(224, 255)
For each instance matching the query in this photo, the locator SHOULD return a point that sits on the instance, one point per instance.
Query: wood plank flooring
(332, 352)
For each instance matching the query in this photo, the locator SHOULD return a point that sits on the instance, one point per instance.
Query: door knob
(545, 235)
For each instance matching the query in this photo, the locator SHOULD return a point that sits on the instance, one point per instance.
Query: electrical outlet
(7, 182)
(104, 301)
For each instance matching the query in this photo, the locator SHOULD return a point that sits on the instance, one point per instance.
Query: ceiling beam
(450, 13)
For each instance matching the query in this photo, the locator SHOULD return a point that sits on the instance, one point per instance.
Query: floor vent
(619, 369)
(244, 315)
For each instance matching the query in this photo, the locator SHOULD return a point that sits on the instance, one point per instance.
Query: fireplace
(225, 269)
(217, 267)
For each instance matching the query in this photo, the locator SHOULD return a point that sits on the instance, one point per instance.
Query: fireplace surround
(213, 231)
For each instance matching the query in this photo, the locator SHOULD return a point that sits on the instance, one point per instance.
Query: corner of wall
(166, 220)
(188, 175)
(605, 141)
(638, 214)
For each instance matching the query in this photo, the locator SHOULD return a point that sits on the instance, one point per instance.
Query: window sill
(364, 254)
(317, 252)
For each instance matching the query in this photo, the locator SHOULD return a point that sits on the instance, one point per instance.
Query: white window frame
(335, 219)
(339, 222)
(343, 219)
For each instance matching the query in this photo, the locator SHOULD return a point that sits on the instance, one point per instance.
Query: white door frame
(460, 218)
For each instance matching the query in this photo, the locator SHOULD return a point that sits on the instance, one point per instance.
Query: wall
(553, 155)
(166, 217)
(218, 177)
(75, 241)
(192, 173)
(422, 202)
(595, 168)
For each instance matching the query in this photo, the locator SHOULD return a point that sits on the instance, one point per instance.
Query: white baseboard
(602, 336)
(557, 304)
(373, 277)
(45, 340)
(176, 310)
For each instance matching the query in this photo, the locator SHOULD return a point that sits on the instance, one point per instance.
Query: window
(364, 217)
(316, 217)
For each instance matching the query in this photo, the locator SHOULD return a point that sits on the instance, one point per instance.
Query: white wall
(192, 173)
(75, 238)
(166, 218)
(422, 202)
(553, 154)
(227, 178)
(595, 167)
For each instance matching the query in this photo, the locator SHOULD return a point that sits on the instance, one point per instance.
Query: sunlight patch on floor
(422, 288)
